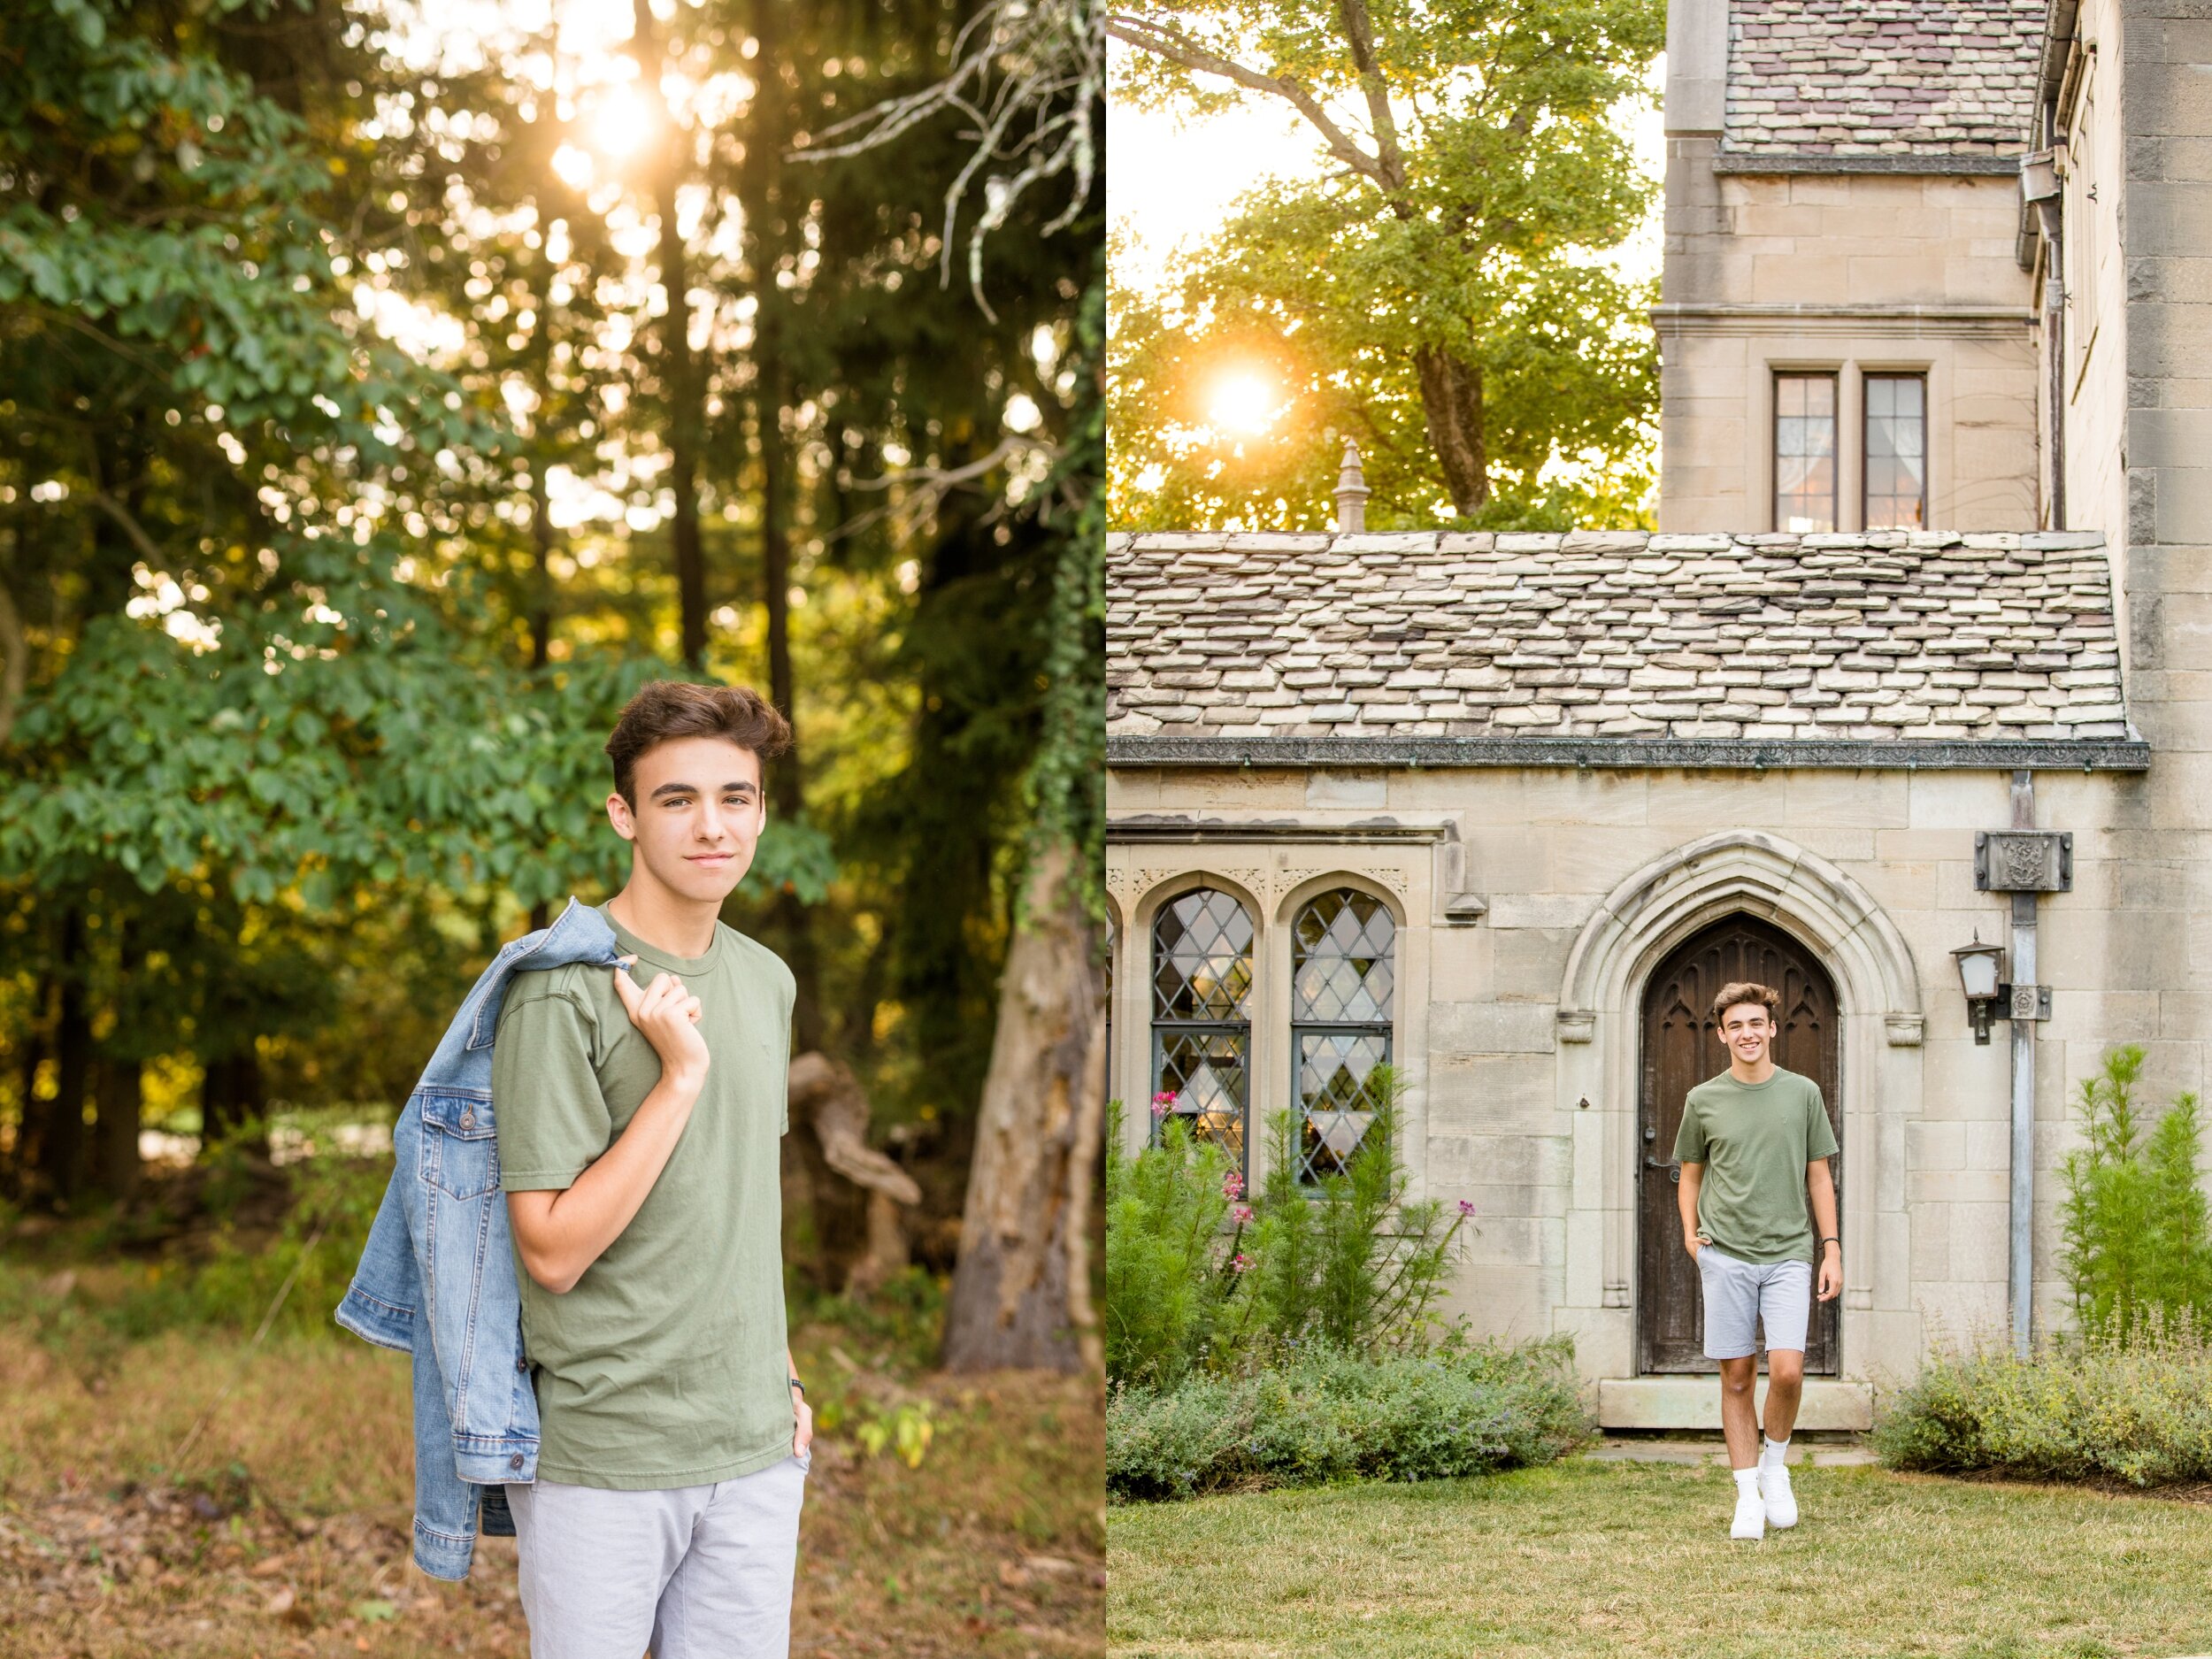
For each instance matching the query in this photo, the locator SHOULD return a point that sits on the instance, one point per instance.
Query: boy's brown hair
(1747, 991)
(670, 709)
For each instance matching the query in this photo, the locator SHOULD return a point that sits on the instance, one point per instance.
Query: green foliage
(1168, 1270)
(2133, 1404)
(1197, 1280)
(1457, 1410)
(2136, 1243)
(1349, 1262)
(1433, 273)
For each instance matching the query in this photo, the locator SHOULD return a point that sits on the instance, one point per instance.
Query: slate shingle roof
(1882, 635)
(1881, 77)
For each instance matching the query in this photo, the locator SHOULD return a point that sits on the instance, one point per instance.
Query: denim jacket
(437, 1278)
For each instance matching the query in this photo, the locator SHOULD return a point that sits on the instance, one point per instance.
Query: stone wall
(1497, 1074)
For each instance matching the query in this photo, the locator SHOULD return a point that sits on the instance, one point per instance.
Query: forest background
(354, 468)
(385, 393)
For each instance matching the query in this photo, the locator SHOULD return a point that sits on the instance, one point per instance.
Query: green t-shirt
(1756, 1140)
(664, 1365)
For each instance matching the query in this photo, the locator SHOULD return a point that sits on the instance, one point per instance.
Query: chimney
(1351, 493)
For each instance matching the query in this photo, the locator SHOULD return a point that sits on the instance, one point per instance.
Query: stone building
(1916, 663)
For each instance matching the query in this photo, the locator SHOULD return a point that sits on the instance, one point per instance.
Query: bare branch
(927, 487)
(1359, 34)
(131, 528)
(1177, 48)
(1026, 76)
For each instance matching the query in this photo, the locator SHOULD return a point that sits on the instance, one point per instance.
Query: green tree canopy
(1440, 296)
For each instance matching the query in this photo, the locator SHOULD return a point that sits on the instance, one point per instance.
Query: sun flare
(1243, 404)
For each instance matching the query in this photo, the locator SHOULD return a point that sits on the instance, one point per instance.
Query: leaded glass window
(1201, 1014)
(1804, 452)
(1343, 963)
(1896, 452)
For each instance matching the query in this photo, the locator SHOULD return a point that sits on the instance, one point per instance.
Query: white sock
(1773, 1454)
(1746, 1481)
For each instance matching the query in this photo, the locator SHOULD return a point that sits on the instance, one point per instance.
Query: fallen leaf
(281, 1600)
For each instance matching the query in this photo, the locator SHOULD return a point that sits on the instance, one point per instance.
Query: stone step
(1694, 1403)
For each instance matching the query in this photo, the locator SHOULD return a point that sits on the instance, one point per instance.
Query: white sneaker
(1774, 1491)
(1751, 1515)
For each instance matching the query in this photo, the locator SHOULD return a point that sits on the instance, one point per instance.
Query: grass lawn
(285, 1530)
(1597, 1558)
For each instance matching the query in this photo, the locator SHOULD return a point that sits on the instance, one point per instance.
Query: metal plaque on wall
(2023, 861)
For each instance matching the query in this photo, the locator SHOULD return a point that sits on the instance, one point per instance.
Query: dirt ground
(284, 1528)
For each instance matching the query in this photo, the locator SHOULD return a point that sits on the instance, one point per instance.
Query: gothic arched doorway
(1681, 1049)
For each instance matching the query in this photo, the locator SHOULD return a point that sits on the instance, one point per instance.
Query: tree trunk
(232, 1096)
(30, 1129)
(542, 559)
(1021, 1294)
(120, 1094)
(61, 1161)
(678, 380)
(759, 177)
(856, 1193)
(1451, 398)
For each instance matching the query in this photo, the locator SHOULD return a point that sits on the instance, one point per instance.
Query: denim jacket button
(468, 1120)
(522, 1362)
(515, 1462)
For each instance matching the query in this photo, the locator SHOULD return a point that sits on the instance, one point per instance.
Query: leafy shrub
(2133, 1403)
(1168, 1270)
(2136, 1238)
(1350, 1264)
(1460, 1408)
(1198, 1280)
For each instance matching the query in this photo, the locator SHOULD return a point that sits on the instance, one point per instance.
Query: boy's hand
(1831, 1274)
(669, 1017)
(802, 1424)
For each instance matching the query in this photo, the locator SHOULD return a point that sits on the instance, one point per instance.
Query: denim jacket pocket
(460, 1153)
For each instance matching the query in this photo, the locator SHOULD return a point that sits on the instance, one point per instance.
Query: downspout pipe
(2022, 1252)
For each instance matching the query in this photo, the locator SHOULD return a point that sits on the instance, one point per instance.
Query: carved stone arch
(1245, 885)
(1599, 1031)
(1674, 896)
(1308, 886)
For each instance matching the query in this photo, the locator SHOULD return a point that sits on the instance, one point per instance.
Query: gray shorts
(689, 1571)
(1778, 1294)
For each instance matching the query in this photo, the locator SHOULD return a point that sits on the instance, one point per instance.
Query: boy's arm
(1686, 1199)
(802, 1413)
(560, 1234)
(1820, 1186)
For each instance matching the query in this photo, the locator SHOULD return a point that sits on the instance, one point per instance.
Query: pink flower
(1466, 1209)
(1240, 1263)
(1241, 1215)
(1163, 1103)
(1232, 1185)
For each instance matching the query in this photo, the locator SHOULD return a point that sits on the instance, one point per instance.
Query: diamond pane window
(1201, 1029)
(1343, 954)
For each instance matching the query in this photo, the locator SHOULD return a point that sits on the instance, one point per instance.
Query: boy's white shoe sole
(1780, 1501)
(1751, 1517)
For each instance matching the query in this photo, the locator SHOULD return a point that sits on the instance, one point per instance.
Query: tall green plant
(2136, 1230)
(1167, 1271)
(1348, 1261)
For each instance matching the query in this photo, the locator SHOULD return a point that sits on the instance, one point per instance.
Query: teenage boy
(640, 1113)
(1753, 1147)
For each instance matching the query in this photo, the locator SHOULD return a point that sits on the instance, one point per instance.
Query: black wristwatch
(801, 1387)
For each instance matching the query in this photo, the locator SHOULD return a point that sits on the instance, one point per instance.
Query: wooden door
(1681, 1049)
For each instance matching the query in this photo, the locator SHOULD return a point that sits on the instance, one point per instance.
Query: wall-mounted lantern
(1981, 972)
